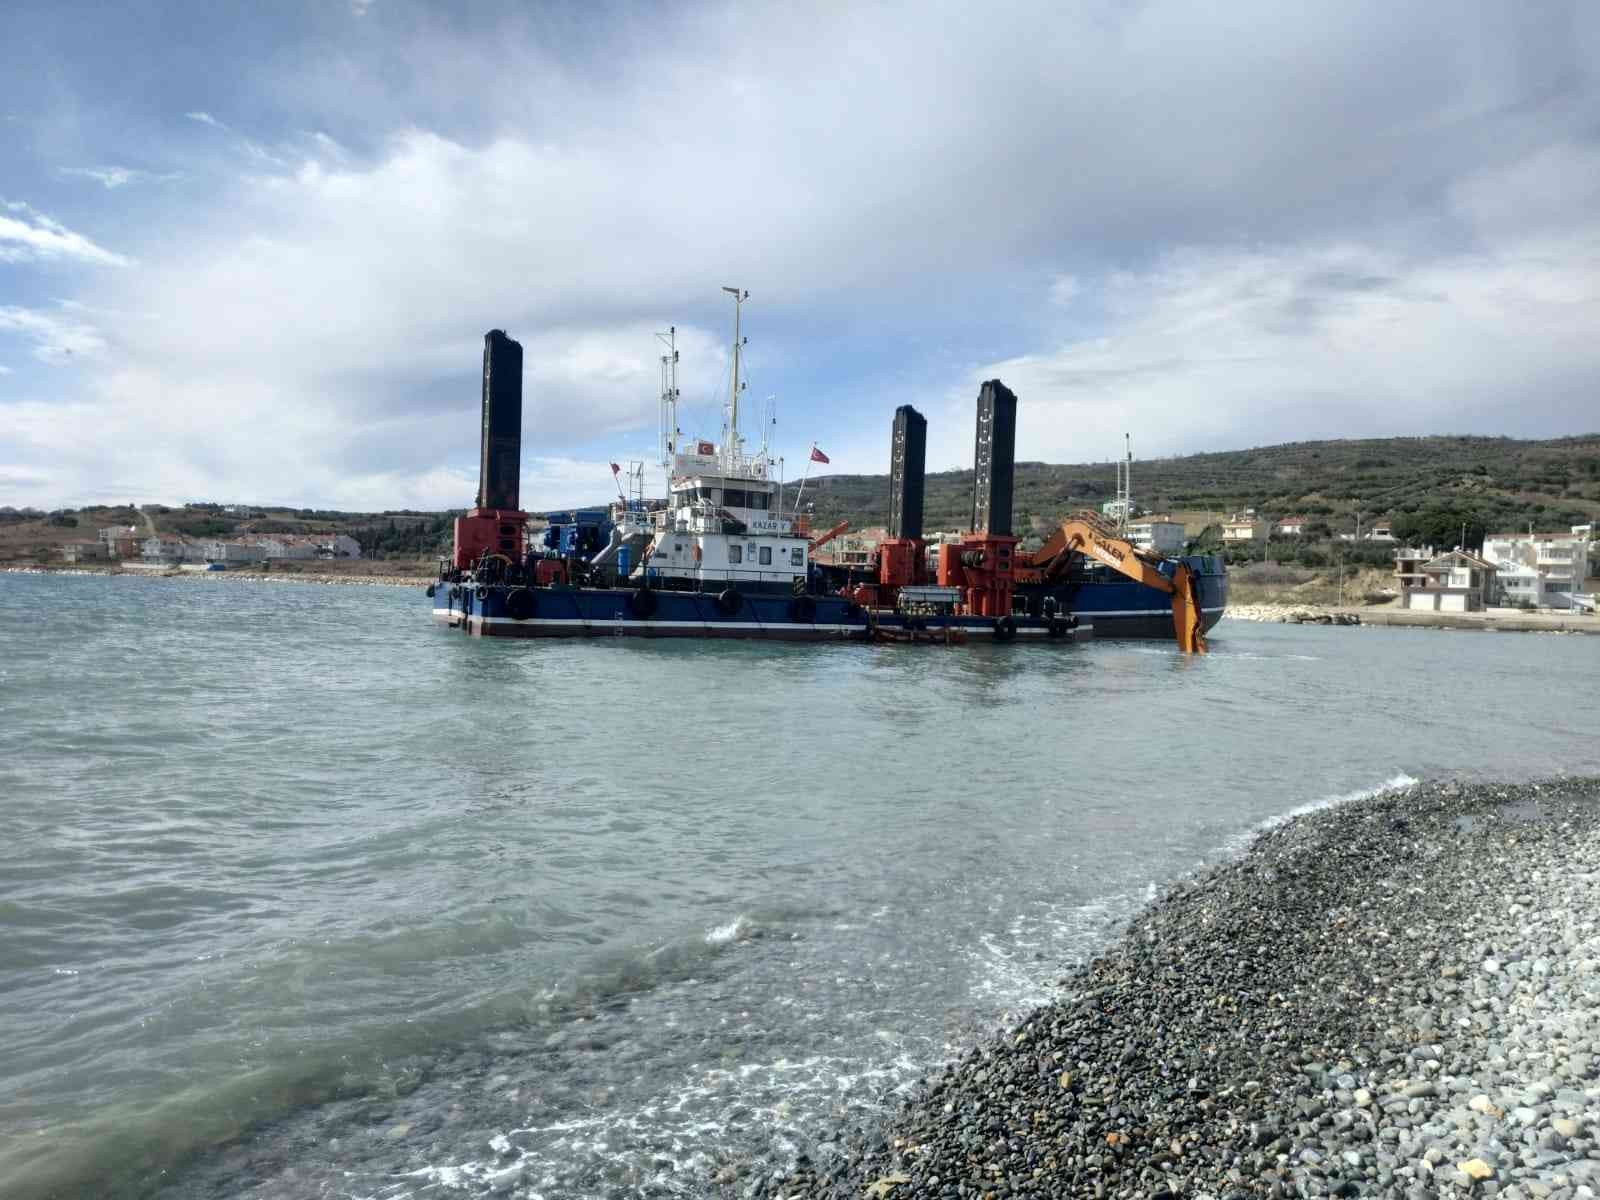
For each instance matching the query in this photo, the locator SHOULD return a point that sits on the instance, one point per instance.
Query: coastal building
(1408, 564)
(77, 552)
(337, 545)
(232, 552)
(1293, 526)
(1378, 531)
(286, 546)
(1245, 527)
(1544, 570)
(1455, 582)
(169, 548)
(120, 541)
(1159, 533)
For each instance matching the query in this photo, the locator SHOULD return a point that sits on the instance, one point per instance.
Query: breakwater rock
(1292, 614)
(1399, 996)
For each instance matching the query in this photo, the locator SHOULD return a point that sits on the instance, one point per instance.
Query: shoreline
(1483, 622)
(1396, 995)
(340, 579)
(1267, 613)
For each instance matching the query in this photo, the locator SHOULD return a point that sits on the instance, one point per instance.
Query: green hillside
(1480, 482)
(1502, 482)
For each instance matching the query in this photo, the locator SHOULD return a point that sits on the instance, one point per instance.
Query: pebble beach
(1397, 996)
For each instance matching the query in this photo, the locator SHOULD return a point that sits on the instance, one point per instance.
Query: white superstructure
(724, 524)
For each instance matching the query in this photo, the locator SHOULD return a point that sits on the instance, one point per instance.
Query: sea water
(301, 894)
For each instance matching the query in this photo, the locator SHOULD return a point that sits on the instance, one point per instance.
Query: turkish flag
(818, 455)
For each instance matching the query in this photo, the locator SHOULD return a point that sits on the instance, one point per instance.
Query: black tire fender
(1057, 628)
(521, 604)
(1005, 628)
(730, 601)
(431, 589)
(643, 602)
(803, 609)
(482, 592)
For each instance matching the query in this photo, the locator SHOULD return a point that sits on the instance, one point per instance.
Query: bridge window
(733, 497)
(797, 557)
(766, 556)
(735, 554)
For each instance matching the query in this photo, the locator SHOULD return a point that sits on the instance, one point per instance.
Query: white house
(338, 545)
(231, 552)
(1245, 527)
(170, 548)
(1161, 534)
(1454, 582)
(1293, 526)
(284, 545)
(76, 552)
(1543, 569)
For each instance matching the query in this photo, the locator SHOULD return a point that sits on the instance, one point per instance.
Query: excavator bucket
(1186, 618)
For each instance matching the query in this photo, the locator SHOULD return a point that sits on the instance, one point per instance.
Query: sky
(248, 252)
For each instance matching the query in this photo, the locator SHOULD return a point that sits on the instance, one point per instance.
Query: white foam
(721, 935)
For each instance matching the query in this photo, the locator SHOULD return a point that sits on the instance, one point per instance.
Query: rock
(1475, 1168)
(1566, 1127)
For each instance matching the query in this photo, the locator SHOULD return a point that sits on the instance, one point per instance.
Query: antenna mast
(1127, 483)
(730, 436)
(669, 396)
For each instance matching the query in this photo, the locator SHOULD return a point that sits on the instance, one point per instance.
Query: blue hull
(1111, 606)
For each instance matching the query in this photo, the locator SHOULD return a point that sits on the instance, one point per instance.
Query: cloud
(28, 235)
(57, 340)
(1216, 347)
(112, 178)
(1210, 226)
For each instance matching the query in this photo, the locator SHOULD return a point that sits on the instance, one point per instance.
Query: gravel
(1399, 996)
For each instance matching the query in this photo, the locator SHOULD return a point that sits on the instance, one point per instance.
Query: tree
(1441, 526)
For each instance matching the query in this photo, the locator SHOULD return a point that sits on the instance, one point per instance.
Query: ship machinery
(721, 559)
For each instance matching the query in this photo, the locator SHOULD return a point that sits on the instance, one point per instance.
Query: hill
(1504, 482)
(1495, 483)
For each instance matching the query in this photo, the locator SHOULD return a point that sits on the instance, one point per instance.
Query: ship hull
(1114, 608)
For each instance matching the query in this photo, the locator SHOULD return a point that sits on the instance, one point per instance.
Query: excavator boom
(1087, 534)
(822, 539)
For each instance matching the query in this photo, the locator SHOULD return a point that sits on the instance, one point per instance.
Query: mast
(669, 397)
(1127, 483)
(730, 436)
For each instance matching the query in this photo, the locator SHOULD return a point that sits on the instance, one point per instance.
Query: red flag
(818, 455)
(616, 470)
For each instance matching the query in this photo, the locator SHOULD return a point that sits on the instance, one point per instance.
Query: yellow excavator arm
(1086, 533)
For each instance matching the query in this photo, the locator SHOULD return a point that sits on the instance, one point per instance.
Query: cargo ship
(720, 558)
